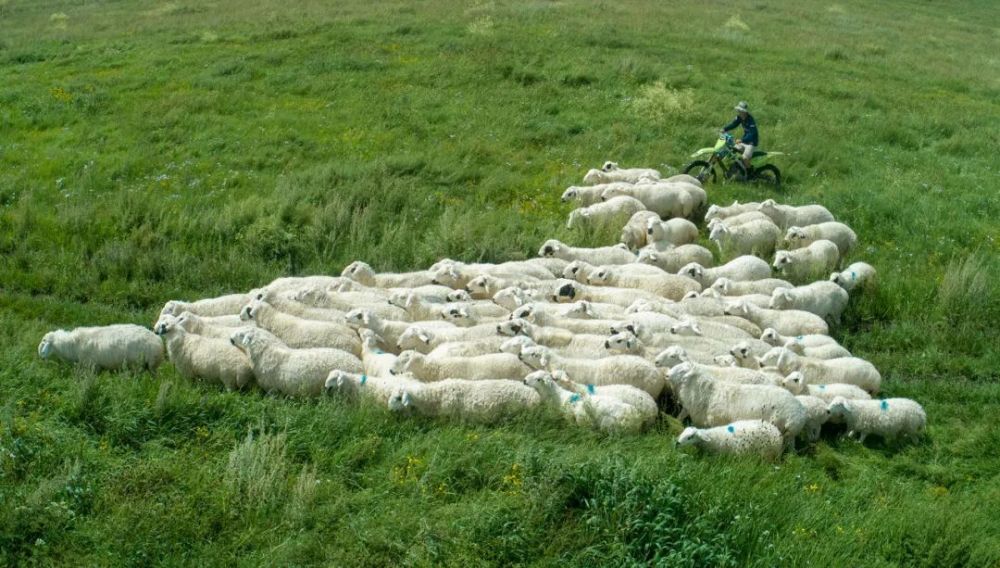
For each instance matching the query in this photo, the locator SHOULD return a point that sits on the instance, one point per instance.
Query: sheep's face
(458, 296)
(535, 357)
(767, 207)
(686, 327)
(479, 286)
(711, 293)
(45, 347)
(413, 338)
(242, 338)
(509, 298)
(740, 309)
(510, 328)
(525, 312)
(599, 277)
(795, 236)
(671, 357)
(622, 343)
(741, 351)
(712, 213)
(368, 338)
(359, 271)
(577, 310)
(406, 361)
(446, 276)
(170, 308)
(680, 372)
(334, 382)
(515, 344)
(576, 218)
(689, 437)
(693, 270)
(398, 299)
(565, 293)
(794, 383)
(571, 194)
(575, 270)
(639, 306)
(795, 346)
(624, 327)
(722, 286)
(550, 248)
(771, 336)
(782, 260)
(840, 407)
(456, 314)
(358, 317)
(400, 401)
(608, 166)
(781, 299)
(651, 225)
(540, 380)
(613, 192)
(719, 231)
(775, 357)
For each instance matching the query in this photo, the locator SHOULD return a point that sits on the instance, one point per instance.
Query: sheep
(614, 369)
(674, 258)
(618, 254)
(716, 403)
(847, 370)
(740, 268)
(425, 339)
(293, 372)
(203, 326)
(580, 270)
(485, 286)
(285, 303)
(674, 231)
(890, 419)
(472, 312)
(374, 388)
(199, 357)
(789, 216)
(344, 301)
(666, 200)
(220, 306)
(512, 297)
(808, 263)
(585, 195)
(823, 298)
(816, 346)
(363, 273)
(838, 233)
(615, 210)
(291, 284)
(469, 348)
(697, 193)
(742, 353)
(593, 310)
(610, 172)
(635, 230)
(480, 367)
(457, 274)
(740, 219)
(762, 300)
(857, 274)
(702, 350)
(591, 410)
(375, 361)
(580, 345)
(795, 383)
(417, 309)
(720, 212)
(485, 401)
(753, 237)
(665, 285)
(742, 437)
(740, 288)
(817, 414)
(540, 315)
(676, 355)
(683, 178)
(655, 322)
(388, 330)
(569, 291)
(111, 347)
(299, 333)
(628, 394)
(787, 322)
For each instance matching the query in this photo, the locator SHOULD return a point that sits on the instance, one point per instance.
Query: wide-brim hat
(742, 107)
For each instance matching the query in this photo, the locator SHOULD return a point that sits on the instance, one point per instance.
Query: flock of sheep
(604, 334)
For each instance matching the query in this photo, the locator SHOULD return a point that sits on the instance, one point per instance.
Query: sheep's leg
(862, 436)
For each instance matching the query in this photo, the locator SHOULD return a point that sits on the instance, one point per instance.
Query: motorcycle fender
(702, 152)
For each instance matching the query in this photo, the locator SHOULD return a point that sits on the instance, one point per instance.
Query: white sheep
(301, 333)
(839, 233)
(465, 314)
(847, 370)
(740, 268)
(110, 347)
(674, 258)
(808, 263)
(208, 326)
(753, 237)
(618, 254)
(816, 346)
(484, 401)
(674, 231)
(584, 195)
(512, 297)
(762, 300)
(580, 270)
(729, 287)
(742, 438)
(787, 322)
(590, 410)
(610, 172)
(614, 369)
(457, 274)
(390, 331)
(663, 284)
(666, 200)
(424, 338)
(469, 348)
(795, 383)
(817, 414)
(587, 345)
(711, 402)
(221, 306)
(378, 303)
(294, 372)
(628, 394)
(791, 216)
(890, 419)
(740, 219)
(208, 358)
(592, 310)
(676, 355)
(823, 298)
(481, 367)
(613, 211)
(375, 361)
(635, 230)
(569, 291)
(723, 212)
(484, 286)
(364, 274)
(857, 274)
(375, 388)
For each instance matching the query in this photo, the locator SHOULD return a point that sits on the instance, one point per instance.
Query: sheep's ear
(782, 357)
(696, 328)
(424, 336)
(544, 360)
(366, 317)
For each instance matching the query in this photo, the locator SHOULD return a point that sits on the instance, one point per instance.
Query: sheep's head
(578, 310)
(782, 260)
(691, 436)
(609, 166)
(725, 360)
(171, 308)
(525, 312)
(719, 232)
(572, 193)
(515, 344)
(771, 335)
(359, 317)
(680, 372)
(369, 338)
(794, 382)
(457, 314)
(577, 270)
(740, 309)
(406, 361)
(414, 338)
(540, 381)
(243, 337)
(686, 327)
(566, 291)
(781, 357)
(613, 191)
(712, 213)
(360, 272)
(693, 270)
(781, 299)
(479, 287)
(398, 299)
(45, 347)
(623, 342)
(447, 275)
(161, 326)
(551, 247)
(690, 295)
(510, 298)
(795, 346)
(741, 351)
(593, 176)
(512, 327)
(768, 206)
(536, 357)
(400, 400)
(722, 286)
(600, 277)
(796, 236)
(671, 357)
(337, 381)
(648, 255)
(625, 327)
(458, 296)
(711, 293)
(577, 218)
(839, 407)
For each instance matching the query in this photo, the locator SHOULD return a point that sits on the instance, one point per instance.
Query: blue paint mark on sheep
(885, 405)
(574, 399)
(730, 429)
(590, 389)
(854, 275)
(364, 379)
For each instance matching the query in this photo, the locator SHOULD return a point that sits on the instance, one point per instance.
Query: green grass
(178, 150)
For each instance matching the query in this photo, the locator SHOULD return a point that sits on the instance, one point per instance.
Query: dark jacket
(749, 129)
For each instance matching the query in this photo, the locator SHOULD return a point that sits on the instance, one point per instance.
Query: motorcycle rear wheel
(701, 170)
(768, 174)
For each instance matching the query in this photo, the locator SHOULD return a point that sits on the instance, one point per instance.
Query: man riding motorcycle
(750, 138)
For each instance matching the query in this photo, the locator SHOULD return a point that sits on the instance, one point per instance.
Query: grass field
(179, 150)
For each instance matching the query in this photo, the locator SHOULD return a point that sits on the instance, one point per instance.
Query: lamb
(740, 219)
(839, 233)
(740, 268)
(673, 356)
(628, 394)
(786, 216)
(719, 212)
(615, 210)
(823, 298)
(344, 301)
(539, 314)
(815, 346)
(795, 383)
(112, 347)
(634, 232)
(364, 274)
(204, 326)
(485, 286)
(664, 285)
(482, 367)
(425, 339)
(674, 258)
(293, 372)
(512, 297)
(753, 237)
(729, 287)
(674, 231)
(375, 388)
(610, 172)
(716, 403)
(743, 437)
(618, 254)
(209, 358)
(457, 275)
(485, 401)
(857, 274)
(569, 291)
(666, 200)
(221, 306)
(389, 331)
(847, 370)
(285, 303)
(889, 419)
(581, 345)
(592, 410)
(615, 369)
(299, 333)
(817, 414)
(465, 314)
(808, 263)
(589, 194)
(375, 361)
(762, 300)
(787, 322)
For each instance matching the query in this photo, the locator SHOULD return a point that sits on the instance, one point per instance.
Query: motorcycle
(725, 159)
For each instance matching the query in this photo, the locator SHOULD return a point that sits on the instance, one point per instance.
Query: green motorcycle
(725, 159)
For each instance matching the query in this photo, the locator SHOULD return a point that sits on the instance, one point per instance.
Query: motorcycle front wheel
(701, 170)
(768, 174)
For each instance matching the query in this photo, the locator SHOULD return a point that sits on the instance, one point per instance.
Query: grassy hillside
(178, 150)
